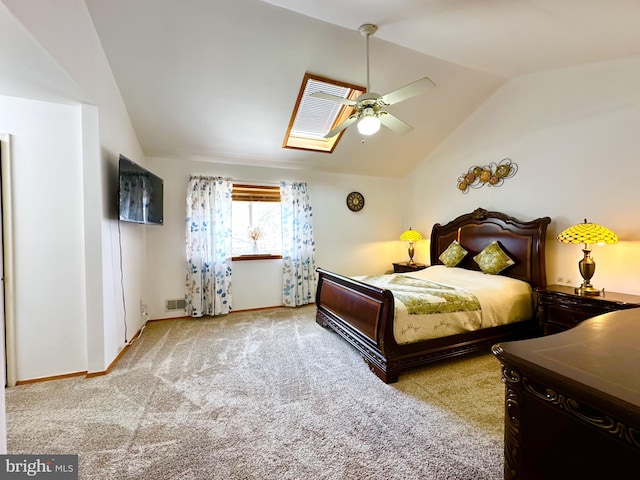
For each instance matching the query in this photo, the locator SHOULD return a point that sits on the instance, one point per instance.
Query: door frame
(6, 262)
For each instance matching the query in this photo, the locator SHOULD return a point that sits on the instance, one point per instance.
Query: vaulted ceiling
(216, 80)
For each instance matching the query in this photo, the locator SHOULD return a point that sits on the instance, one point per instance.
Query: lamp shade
(369, 125)
(587, 233)
(410, 236)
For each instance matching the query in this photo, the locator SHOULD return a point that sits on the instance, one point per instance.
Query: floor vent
(177, 304)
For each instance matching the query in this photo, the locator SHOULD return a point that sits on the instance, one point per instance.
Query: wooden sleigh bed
(363, 314)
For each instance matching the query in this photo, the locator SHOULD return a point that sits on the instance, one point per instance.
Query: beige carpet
(264, 395)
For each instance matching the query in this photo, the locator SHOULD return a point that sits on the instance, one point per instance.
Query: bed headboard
(523, 241)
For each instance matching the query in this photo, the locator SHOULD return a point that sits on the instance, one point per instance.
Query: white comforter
(502, 300)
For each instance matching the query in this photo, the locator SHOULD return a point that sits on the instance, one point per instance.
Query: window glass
(263, 220)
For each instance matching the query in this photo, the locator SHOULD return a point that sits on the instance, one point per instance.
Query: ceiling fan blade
(333, 98)
(408, 91)
(342, 126)
(394, 123)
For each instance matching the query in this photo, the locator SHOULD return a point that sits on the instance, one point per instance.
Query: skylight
(313, 118)
(315, 115)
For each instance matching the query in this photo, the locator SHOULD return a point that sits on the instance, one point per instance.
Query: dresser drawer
(568, 317)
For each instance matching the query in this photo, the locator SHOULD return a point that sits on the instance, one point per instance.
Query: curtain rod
(251, 182)
(260, 182)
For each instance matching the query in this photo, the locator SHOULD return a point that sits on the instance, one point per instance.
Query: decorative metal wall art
(492, 175)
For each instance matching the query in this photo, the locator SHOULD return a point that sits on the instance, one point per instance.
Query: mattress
(462, 301)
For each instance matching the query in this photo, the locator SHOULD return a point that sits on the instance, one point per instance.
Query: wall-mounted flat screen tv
(140, 194)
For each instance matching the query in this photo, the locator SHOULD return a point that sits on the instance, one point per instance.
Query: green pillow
(453, 255)
(493, 259)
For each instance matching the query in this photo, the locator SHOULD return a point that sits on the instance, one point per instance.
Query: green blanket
(422, 297)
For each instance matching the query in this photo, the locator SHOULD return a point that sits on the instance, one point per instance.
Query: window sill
(256, 256)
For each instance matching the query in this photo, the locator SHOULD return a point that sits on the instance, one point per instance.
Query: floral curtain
(208, 242)
(298, 246)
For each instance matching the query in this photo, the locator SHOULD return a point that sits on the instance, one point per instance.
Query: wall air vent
(176, 304)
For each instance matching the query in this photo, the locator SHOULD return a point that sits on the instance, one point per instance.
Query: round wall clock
(355, 201)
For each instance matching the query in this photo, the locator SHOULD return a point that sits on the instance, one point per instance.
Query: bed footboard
(363, 315)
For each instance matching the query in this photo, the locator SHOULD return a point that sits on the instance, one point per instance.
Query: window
(256, 211)
(313, 118)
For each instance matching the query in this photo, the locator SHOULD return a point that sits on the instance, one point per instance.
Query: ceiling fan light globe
(369, 125)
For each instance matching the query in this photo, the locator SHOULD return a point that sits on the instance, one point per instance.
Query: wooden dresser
(560, 308)
(572, 401)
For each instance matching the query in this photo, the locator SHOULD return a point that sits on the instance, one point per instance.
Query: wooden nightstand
(401, 267)
(560, 308)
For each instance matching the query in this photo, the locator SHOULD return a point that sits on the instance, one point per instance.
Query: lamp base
(587, 268)
(588, 290)
(411, 252)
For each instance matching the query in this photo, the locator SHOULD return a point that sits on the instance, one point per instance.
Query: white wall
(574, 135)
(351, 243)
(48, 232)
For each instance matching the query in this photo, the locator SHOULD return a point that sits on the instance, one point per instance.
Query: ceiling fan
(370, 107)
